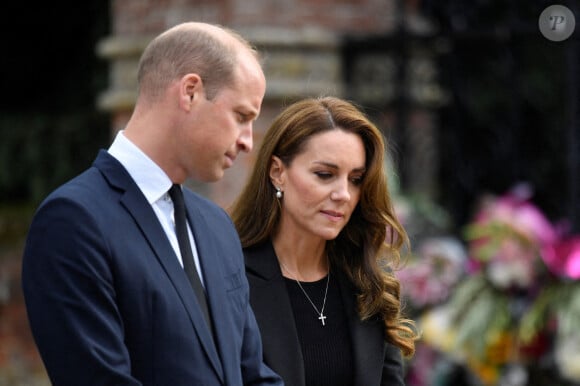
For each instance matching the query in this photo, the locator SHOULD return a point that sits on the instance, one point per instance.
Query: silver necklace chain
(320, 313)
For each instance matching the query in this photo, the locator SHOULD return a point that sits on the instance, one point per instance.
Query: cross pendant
(322, 318)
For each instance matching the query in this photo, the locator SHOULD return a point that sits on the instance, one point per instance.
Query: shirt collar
(148, 176)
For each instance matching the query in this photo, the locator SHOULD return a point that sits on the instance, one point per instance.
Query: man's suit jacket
(109, 303)
(375, 361)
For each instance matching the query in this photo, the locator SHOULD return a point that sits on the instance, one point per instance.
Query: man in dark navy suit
(108, 299)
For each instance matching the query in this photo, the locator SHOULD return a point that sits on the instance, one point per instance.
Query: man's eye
(242, 118)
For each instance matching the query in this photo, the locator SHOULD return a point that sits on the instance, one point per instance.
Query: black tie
(186, 253)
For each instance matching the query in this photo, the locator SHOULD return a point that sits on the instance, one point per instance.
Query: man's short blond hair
(211, 51)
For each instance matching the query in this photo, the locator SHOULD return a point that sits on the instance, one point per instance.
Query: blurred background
(480, 110)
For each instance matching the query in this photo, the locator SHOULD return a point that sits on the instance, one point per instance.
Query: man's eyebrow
(249, 114)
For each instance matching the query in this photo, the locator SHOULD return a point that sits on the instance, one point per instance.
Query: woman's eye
(356, 180)
(323, 175)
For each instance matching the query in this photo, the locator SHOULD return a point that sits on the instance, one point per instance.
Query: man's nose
(245, 140)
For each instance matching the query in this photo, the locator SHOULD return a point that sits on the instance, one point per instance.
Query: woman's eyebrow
(331, 165)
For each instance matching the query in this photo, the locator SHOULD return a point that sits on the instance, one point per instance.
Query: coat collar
(273, 311)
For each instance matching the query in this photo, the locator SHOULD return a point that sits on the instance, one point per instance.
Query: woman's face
(321, 185)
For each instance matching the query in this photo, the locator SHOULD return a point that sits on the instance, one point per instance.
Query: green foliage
(568, 308)
(535, 319)
(558, 302)
(479, 312)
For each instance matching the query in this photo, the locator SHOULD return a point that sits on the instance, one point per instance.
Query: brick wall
(151, 16)
(300, 41)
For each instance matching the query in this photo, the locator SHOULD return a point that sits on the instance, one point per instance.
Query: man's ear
(277, 172)
(191, 87)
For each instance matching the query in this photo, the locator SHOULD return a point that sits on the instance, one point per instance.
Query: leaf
(479, 313)
(534, 320)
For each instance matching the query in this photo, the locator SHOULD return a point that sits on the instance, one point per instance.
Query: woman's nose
(341, 191)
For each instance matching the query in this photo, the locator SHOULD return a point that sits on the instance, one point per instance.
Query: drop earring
(279, 193)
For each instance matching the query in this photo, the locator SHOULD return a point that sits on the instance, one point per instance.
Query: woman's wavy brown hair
(368, 248)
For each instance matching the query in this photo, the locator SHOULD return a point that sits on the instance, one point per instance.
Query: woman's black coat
(376, 362)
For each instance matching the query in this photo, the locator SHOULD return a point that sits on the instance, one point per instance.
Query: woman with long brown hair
(321, 240)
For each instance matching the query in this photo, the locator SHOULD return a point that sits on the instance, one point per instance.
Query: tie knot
(176, 193)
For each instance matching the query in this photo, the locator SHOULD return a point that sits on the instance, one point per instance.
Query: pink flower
(506, 237)
(516, 211)
(563, 257)
(432, 276)
(512, 265)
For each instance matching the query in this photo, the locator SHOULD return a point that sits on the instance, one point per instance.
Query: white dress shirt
(154, 184)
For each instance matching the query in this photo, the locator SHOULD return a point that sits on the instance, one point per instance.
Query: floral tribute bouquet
(509, 309)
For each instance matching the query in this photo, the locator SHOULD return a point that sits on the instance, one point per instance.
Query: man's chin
(213, 178)
(209, 176)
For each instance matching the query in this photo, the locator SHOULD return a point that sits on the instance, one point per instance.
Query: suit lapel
(138, 207)
(213, 277)
(271, 304)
